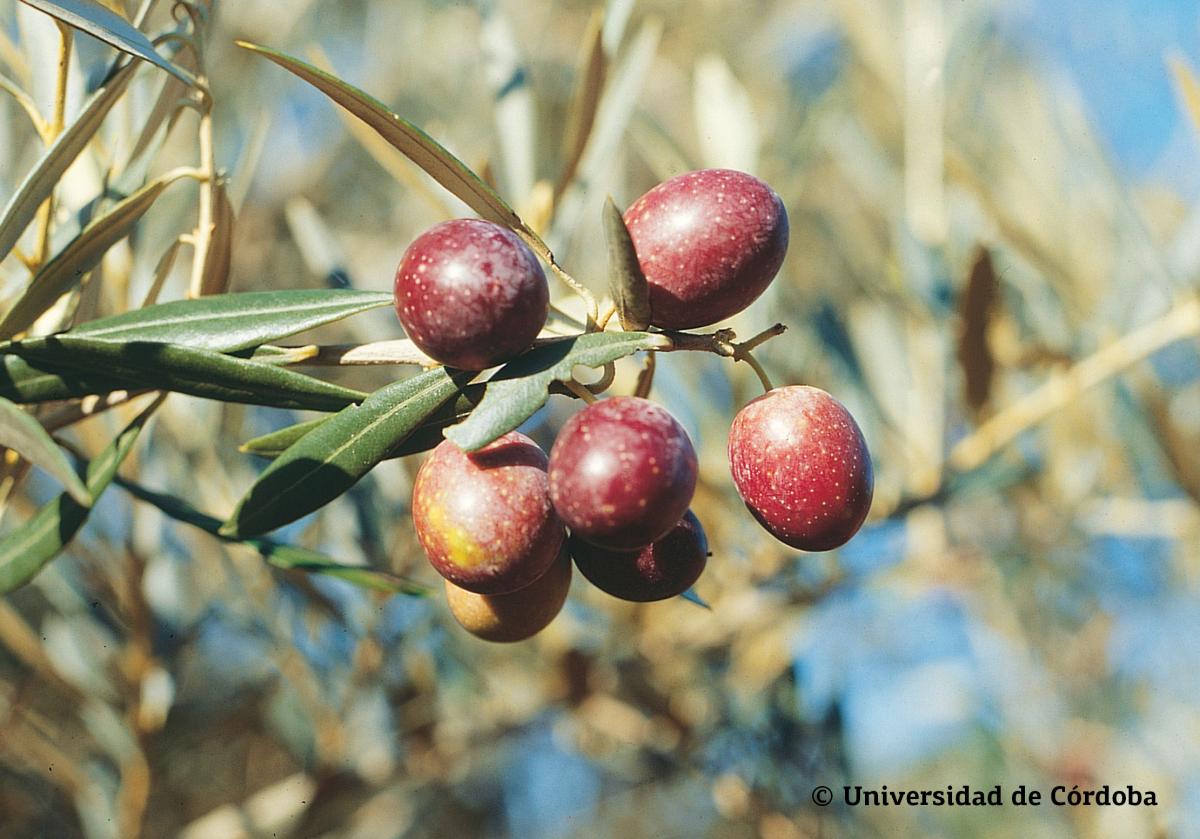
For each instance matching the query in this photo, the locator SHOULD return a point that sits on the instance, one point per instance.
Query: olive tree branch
(723, 342)
(404, 351)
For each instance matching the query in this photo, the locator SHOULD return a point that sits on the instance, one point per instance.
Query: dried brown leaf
(214, 279)
(585, 101)
(976, 312)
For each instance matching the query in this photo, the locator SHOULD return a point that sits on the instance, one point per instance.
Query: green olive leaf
(414, 143)
(41, 180)
(23, 434)
(61, 273)
(626, 283)
(109, 27)
(233, 322)
(26, 551)
(275, 553)
(335, 454)
(89, 365)
(26, 384)
(424, 437)
(516, 392)
(274, 444)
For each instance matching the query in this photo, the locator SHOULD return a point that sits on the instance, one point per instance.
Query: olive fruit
(662, 569)
(622, 472)
(484, 518)
(470, 294)
(516, 615)
(801, 465)
(709, 243)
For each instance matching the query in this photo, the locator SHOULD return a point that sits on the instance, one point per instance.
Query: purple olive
(800, 463)
(662, 569)
(622, 472)
(470, 294)
(709, 243)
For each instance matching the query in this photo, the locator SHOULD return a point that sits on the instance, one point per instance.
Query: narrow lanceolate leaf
(214, 278)
(332, 457)
(26, 102)
(166, 110)
(581, 114)
(109, 27)
(40, 182)
(23, 434)
(626, 282)
(61, 274)
(414, 143)
(26, 384)
(26, 550)
(299, 559)
(277, 442)
(148, 366)
(276, 553)
(423, 438)
(521, 387)
(1188, 86)
(232, 322)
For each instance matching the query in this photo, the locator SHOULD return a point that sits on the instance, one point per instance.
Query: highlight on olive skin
(665, 568)
(622, 472)
(517, 615)
(470, 294)
(801, 465)
(485, 518)
(709, 243)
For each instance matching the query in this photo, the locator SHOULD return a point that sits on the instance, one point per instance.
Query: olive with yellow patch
(485, 518)
(517, 615)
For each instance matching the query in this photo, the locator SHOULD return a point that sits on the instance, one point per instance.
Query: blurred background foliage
(995, 246)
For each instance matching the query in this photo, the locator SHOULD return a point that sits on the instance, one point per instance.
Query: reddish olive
(485, 519)
(470, 294)
(622, 472)
(800, 463)
(709, 243)
(662, 569)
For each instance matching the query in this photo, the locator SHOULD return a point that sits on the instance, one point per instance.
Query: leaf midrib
(35, 536)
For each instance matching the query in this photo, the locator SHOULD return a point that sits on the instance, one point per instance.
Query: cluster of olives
(503, 524)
